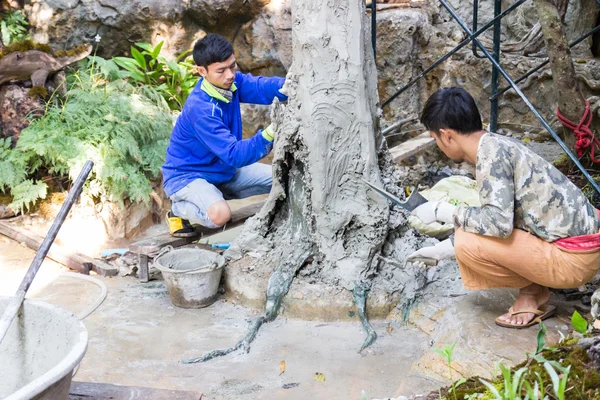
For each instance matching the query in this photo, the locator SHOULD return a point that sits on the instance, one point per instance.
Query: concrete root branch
(360, 293)
(242, 344)
(279, 284)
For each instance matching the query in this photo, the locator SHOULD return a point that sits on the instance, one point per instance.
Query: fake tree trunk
(570, 99)
(320, 215)
(327, 143)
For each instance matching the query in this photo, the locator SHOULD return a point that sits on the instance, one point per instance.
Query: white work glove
(285, 89)
(434, 211)
(440, 251)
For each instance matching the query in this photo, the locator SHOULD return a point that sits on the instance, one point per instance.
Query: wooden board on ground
(412, 146)
(104, 391)
(72, 259)
(155, 244)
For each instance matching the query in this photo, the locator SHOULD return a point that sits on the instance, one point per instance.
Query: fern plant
(124, 129)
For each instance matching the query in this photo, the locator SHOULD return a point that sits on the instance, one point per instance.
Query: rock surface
(15, 107)
(409, 40)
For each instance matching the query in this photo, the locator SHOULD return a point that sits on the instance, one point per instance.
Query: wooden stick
(74, 260)
(15, 302)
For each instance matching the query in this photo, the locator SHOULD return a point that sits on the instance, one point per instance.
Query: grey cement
(137, 337)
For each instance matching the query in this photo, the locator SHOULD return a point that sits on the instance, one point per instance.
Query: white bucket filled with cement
(192, 276)
(40, 351)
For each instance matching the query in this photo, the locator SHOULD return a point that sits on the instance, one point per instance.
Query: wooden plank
(412, 146)
(74, 260)
(154, 244)
(105, 391)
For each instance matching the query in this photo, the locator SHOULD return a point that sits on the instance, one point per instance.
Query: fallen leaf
(319, 377)
(597, 324)
(390, 328)
(281, 367)
(527, 140)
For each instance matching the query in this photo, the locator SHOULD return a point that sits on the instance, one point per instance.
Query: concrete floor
(137, 337)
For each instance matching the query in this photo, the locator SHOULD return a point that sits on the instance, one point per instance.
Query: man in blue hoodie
(207, 161)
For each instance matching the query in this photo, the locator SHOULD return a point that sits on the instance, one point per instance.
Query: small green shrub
(13, 27)
(123, 128)
(174, 80)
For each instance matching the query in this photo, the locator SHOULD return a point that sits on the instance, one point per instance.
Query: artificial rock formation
(408, 40)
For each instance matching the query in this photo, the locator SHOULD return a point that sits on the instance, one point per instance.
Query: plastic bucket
(192, 275)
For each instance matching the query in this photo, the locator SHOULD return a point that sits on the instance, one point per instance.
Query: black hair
(211, 49)
(451, 108)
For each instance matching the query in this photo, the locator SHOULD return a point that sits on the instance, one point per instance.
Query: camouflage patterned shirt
(519, 189)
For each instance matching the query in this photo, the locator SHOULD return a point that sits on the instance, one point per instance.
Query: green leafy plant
(541, 343)
(123, 128)
(511, 390)
(13, 27)
(173, 79)
(447, 352)
(579, 323)
(559, 383)
(541, 338)
(537, 391)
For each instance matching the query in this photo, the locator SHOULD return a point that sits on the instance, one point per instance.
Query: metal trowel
(414, 200)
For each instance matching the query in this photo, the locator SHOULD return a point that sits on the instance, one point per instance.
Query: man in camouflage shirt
(534, 229)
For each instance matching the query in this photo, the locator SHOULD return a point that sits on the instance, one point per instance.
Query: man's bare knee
(219, 213)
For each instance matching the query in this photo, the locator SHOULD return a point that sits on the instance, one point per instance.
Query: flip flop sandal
(541, 314)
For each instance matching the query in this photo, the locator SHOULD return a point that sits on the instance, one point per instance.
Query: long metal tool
(16, 301)
(414, 200)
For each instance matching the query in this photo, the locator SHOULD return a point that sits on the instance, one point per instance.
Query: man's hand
(268, 133)
(440, 251)
(285, 89)
(434, 211)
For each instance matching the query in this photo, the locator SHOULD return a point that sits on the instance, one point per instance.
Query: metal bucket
(192, 275)
(40, 351)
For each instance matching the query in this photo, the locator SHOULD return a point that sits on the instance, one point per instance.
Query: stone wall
(408, 40)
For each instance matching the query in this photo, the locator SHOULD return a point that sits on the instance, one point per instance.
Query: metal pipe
(475, 23)
(523, 97)
(397, 124)
(494, 103)
(452, 52)
(374, 29)
(15, 302)
(542, 65)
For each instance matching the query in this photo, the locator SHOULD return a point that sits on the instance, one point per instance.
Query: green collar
(212, 91)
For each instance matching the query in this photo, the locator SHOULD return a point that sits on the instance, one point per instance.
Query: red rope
(583, 134)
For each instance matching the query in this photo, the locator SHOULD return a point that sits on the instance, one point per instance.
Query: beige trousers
(487, 262)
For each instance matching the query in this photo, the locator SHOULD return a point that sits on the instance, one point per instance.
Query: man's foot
(179, 227)
(531, 298)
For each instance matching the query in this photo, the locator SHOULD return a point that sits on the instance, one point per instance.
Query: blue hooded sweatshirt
(207, 139)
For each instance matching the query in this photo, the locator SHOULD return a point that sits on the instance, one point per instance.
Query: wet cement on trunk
(321, 222)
